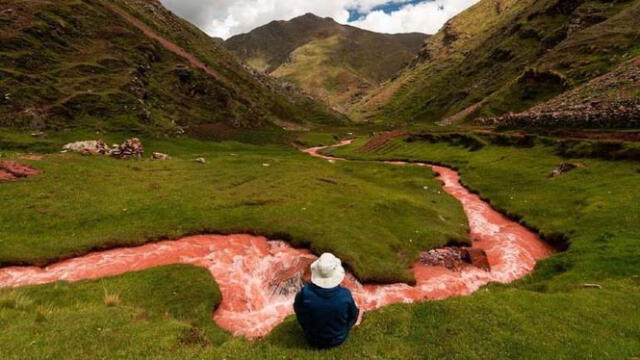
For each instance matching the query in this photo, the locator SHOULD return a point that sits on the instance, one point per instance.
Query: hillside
(336, 63)
(130, 65)
(503, 56)
(610, 100)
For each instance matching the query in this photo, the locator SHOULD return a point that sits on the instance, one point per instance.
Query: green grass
(547, 315)
(83, 203)
(72, 321)
(140, 314)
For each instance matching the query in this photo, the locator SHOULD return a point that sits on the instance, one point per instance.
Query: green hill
(503, 56)
(131, 65)
(336, 63)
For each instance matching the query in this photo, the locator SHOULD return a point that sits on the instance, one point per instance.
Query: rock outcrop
(609, 101)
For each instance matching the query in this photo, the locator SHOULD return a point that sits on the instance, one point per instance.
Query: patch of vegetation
(528, 89)
(159, 309)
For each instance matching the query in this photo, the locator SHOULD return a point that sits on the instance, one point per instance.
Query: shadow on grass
(289, 335)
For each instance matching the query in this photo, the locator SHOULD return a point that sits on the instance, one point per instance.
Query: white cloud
(224, 18)
(427, 17)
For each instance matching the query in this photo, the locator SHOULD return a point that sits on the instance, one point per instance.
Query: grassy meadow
(162, 312)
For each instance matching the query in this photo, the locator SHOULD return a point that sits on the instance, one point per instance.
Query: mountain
(502, 56)
(336, 63)
(131, 65)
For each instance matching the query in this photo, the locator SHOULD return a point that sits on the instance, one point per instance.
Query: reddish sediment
(11, 171)
(258, 278)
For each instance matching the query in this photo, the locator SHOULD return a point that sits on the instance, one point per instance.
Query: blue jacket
(326, 315)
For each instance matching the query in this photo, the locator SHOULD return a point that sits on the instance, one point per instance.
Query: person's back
(325, 310)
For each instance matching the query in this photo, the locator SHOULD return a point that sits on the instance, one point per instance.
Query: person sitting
(325, 310)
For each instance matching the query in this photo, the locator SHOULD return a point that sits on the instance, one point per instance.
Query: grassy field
(547, 315)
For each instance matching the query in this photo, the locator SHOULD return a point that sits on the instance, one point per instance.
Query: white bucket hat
(327, 272)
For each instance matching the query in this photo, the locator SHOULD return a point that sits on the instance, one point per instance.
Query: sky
(225, 18)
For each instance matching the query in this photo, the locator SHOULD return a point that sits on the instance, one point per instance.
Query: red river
(258, 277)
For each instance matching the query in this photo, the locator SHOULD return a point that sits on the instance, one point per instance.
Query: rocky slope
(608, 101)
(334, 62)
(503, 56)
(130, 65)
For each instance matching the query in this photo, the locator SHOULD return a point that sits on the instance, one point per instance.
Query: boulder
(563, 168)
(449, 257)
(88, 147)
(160, 156)
(128, 149)
(477, 257)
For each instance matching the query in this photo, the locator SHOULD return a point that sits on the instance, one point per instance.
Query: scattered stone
(266, 165)
(449, 257)
(38, 134)
(564, 168)
(88, 147)
(128, 149)
(160, 156)
(201, 160)
(592, 286)
(31, 157)
(454, 258)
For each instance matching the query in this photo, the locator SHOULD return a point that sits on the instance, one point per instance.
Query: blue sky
(355, 14)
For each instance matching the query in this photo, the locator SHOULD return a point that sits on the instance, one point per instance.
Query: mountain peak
(334, 62)
(312, 17)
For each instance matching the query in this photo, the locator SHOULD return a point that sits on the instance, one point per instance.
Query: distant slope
(334, 62)
(130, 65)
(508, 55)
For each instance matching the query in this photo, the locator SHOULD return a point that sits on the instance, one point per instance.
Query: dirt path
(169, 45)
(258, 278)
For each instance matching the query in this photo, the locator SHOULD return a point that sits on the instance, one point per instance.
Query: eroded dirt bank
(258, 278)
(12, 171)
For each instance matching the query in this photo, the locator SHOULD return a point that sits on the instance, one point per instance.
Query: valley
(479, 184)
